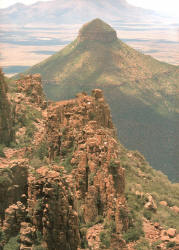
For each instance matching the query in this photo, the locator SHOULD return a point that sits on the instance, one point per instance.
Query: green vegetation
(1, 151)
(144, 179)
(105, 238)
(135, 231)
(13, 243)
(42, 150)
(142, 245)
(105, 235)
(141, 92)
(171, 244)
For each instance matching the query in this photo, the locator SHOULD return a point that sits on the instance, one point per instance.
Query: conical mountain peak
(97, 30)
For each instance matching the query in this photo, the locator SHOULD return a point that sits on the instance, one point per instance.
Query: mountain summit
(97, 30)
(140, 90)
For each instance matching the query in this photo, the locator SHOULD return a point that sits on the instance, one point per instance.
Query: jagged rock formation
(82, 128)
(13, 183)
(51, 207)
(6, 119)
(31, 86)
(68, 193)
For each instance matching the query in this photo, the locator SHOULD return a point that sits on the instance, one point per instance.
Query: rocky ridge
(66, 187)
(87, 189)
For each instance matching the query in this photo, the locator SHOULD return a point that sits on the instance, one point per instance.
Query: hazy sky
(167, 6)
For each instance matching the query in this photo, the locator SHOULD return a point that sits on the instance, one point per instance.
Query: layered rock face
(31, 86)
(13, 183)
(6, 121)
(81, 131)
(80, 184)
(51, 207)
(97, 30)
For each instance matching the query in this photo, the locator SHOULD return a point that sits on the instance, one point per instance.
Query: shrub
(123, 213)
(42, 151)
(4, 180)
(110, 226)
(132, 235)
(142, 245)
(155, 244)
(171, 244)
(67, 163)
(147, 214)
(134, 232)
(1, 151)
(83, 232)
(39, 248)
(13, 244)
(105, 239)
(91, 115)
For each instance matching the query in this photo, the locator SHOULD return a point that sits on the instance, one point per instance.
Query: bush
(132, 235)
(105, 239)
(142, 245)
(1, 151)
(147, 214)
(155, 244)
(171, 244)
(39, 248)
(4, 180)
(13, 243)
(42, 151)
(67, 163)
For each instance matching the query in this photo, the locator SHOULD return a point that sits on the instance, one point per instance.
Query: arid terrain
(24, 46)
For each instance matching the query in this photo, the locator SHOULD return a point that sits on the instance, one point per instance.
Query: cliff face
(51, 207)
(81, 182)
(81, 131)
(31, 86)
(6, 121)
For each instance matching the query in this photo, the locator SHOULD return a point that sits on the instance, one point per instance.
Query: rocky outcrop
(51, 209)
(31, 86)
(81, 131)
(13, 184)
(14, 215)
(6, 118)
(97, 30)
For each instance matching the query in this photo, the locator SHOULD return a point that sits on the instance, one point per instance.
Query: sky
(170, 7)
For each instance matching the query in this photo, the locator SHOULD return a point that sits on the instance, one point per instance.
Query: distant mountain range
(142, 91)
(79, 11)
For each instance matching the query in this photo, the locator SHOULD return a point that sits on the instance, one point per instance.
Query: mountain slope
(98, 56)
(61, 11)
(141, 91)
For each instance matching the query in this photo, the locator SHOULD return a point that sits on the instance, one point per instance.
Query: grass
(152, 182)
(13, 243)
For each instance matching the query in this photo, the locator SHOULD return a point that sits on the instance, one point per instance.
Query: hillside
(67, 183)
(80, 11)
(141, 91)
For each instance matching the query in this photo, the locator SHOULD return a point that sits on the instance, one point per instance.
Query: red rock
(163, 203)
(175, 209)
(171, 232)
